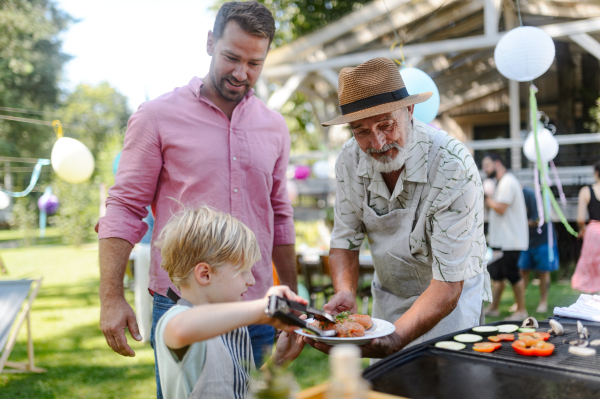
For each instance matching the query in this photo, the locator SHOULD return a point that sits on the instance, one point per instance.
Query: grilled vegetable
(557, 328)
(530, 322)
(579, 351)
(531, 347)
(540, 336)
(582, 343)
(485, 331)
(486, 347)
(527, 330)
(507, 328)
(468, 338)
(502, 337)
(455, 346)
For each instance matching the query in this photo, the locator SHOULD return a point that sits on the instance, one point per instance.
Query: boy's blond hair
(199, 235)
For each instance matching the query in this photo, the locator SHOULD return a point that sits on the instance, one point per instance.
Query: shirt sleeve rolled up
(136, 181)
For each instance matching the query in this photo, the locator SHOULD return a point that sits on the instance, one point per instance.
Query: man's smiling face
(384, 138)
(237, 60)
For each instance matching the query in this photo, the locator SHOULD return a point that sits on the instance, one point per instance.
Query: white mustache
(385, 148)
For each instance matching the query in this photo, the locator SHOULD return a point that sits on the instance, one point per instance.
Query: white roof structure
(451, 40)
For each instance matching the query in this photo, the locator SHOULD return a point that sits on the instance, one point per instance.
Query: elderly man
(415, 192)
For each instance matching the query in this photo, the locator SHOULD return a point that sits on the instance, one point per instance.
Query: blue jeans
(261, 336)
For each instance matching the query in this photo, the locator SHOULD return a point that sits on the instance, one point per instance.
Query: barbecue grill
(426, 371)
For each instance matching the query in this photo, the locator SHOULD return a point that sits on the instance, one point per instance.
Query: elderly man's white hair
(385, 163)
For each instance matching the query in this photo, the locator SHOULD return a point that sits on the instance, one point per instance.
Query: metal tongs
(281, 308)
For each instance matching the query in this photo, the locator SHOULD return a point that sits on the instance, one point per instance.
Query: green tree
(100, 114)
(31, 64)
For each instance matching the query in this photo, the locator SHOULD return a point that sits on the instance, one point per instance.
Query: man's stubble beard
(221, 88)
(386, 164)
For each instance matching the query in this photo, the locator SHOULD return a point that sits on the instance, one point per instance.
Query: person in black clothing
(587, 274)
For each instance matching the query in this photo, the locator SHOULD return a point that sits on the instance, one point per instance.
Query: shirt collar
(196, 84)
(416, 164)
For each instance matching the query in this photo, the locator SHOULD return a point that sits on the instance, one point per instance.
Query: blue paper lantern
(417, 81)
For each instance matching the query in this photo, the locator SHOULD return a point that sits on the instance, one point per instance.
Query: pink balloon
(302, 172)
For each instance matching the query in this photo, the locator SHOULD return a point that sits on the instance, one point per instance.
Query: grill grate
(560, 359)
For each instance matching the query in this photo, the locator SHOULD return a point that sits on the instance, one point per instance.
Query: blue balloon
(416, 82)
(116, 163)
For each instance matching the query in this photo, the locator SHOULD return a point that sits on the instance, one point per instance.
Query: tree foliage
(31, 64)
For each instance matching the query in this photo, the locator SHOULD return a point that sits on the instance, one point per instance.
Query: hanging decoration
(546, 141)
(302, 172)
(417, 81)
(37, 169)
(4, 200)
(524, 53)
(115, 165)
(48, 204)
(321, 169)
(71, 159)
(541, 178)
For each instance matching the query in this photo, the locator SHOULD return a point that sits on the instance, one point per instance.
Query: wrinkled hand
(340, 302)
(288, 347)
(378, 348)
(282, 291)
(115, 316)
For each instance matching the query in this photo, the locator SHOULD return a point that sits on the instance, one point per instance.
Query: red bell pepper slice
(502, 337)
(486, 347)
(530, 347)
(539, 336)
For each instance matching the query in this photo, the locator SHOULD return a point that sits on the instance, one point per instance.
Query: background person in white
(507, 231)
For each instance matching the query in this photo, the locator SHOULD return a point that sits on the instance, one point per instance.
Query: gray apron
(400, 278)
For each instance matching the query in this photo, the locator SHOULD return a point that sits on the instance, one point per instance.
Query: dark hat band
(372, 101)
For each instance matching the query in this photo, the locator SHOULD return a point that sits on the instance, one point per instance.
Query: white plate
(380, 328)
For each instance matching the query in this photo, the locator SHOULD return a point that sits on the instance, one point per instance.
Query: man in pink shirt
(210, 142)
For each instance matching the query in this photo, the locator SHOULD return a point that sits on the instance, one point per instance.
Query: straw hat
(373, 88)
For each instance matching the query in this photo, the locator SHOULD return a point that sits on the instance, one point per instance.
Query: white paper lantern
(417, 81)
(489, 187)
(321, 169)
(546, 141)
(524, 53)
(72, 160)
(4, 200)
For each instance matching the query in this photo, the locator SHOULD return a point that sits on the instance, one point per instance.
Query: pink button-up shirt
(182, 146)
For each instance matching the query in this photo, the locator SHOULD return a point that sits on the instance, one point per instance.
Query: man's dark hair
(495, 157)
(251, 16)
(597, 167)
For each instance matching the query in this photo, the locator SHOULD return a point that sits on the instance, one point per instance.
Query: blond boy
(202, 344)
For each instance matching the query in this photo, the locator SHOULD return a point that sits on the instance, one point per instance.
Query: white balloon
(321, 169)
(524, 53)
(72, 160)
(417, 81)
(4, 200)
(489, 187)
(546, 141)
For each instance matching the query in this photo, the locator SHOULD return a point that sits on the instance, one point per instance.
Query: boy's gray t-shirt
(218, 367)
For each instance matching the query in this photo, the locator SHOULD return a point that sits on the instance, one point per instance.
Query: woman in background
(587, 274)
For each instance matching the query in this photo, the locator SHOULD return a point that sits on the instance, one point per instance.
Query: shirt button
(235, 190)
(234, 158)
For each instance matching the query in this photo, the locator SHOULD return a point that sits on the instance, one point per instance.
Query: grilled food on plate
(347, 325)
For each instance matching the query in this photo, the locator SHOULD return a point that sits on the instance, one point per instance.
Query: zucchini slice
(527, 329)
(507, 328)
(468, 338)
(485, 331)
(455, 346)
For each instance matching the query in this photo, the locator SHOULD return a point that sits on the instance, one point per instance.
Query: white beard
(386, 164)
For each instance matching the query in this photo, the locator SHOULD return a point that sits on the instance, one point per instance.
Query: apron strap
(433, 150)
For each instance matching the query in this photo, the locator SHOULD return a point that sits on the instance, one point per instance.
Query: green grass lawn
(70, 345)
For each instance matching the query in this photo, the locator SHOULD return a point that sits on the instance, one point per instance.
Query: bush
(78, 211)
(25, 218)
